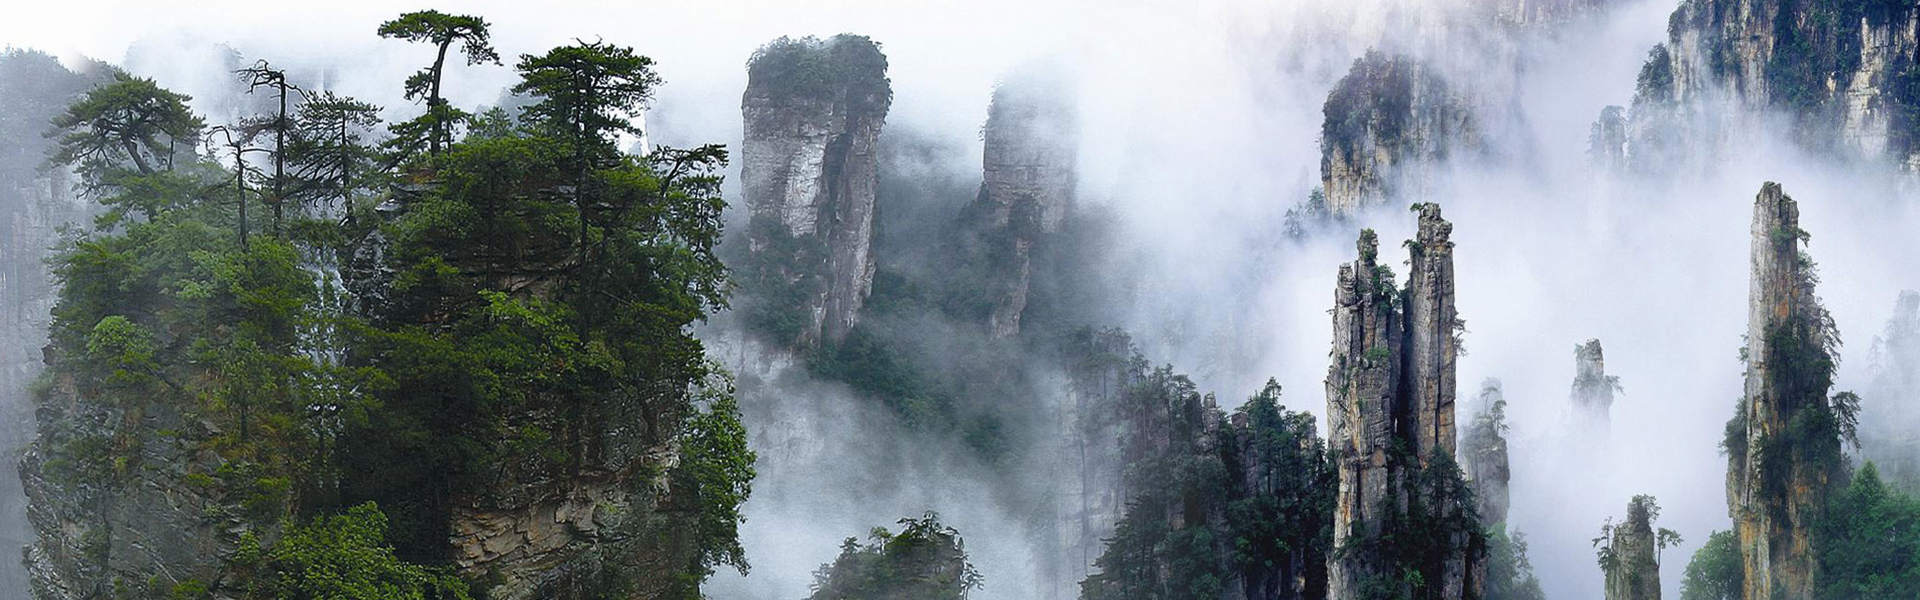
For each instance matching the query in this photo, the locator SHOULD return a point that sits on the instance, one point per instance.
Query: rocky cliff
(1630, 558)
(1388, 124)
(34, 204)
(813, 111)
(1030, 148)
(1593, 388)
(1784, 443)
(1390, 409)
(1483, 453)
(1843, 71)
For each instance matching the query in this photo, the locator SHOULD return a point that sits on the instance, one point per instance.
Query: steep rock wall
(1782, 463)
(1390, 408)
(813, 111)
(1388, 124)
(1593, 388)
(1633, 569)
(1030, 148)
(1844, 73)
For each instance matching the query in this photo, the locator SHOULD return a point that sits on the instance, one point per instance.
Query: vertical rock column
(1789, 335)
(1433, 342)
(1633, 572)
(1592, 388)
(1028, 163)
(1363, 399)
(813, 111)
(1390, 412)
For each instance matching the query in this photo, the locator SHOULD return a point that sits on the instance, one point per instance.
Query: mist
(1199, 129)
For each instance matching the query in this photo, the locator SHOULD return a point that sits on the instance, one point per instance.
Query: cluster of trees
(926, 560)
(459, 306)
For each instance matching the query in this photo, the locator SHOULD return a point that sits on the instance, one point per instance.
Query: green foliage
(1509, 572)
(435, 128)
(1436, 521)
(1282, 522)
(130, 120)
(1716, 571)
(519, 319)
(816, 70)
(721, 467)
(1250, 503)
(342, 557)
(925, 561)
(1373, 101)
(1655, 82)
(1868, 543)
(587, 92)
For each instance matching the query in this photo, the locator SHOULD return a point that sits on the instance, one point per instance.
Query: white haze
(1200, 124)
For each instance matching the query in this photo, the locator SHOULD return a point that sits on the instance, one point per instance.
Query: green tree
(342, 557)
(1869, 542)
(330, 154)
(131, 120)
(442, 31)
(280, 123)
(1716, 571)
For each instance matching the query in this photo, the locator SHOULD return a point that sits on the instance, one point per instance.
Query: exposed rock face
(1483, 453)
(133, 521)
(1843, 70)
(1090, 497)
(1593, 388)
(1779, 476)
(813, 111)
(1029, 156)
(34, 87)
(1389, 122)
(536, 536)
(1390, 397)
(1633, 570)
(1538, 12)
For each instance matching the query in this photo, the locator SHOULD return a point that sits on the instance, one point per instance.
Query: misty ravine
(1003, 300)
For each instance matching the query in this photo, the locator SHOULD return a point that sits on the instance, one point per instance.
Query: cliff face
(813, 111)
(1632, 567)
(1389, 122)
(135, 521)
(1390, 410)
(1784, 445)
(1593, 388)
(34, 88)
(1090, 499)
(1843, 70)
(617, 521)
(1483, 453)
(1028, 186)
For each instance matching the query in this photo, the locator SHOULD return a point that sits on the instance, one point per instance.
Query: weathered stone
(1593, 388)
(813, 111)
(1390, 402)
(1631, 561)
(1841, 71)
(1390, 122)
(1789, 338)
(1028, 160)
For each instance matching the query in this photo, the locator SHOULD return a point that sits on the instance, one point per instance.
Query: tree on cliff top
(442, 31)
